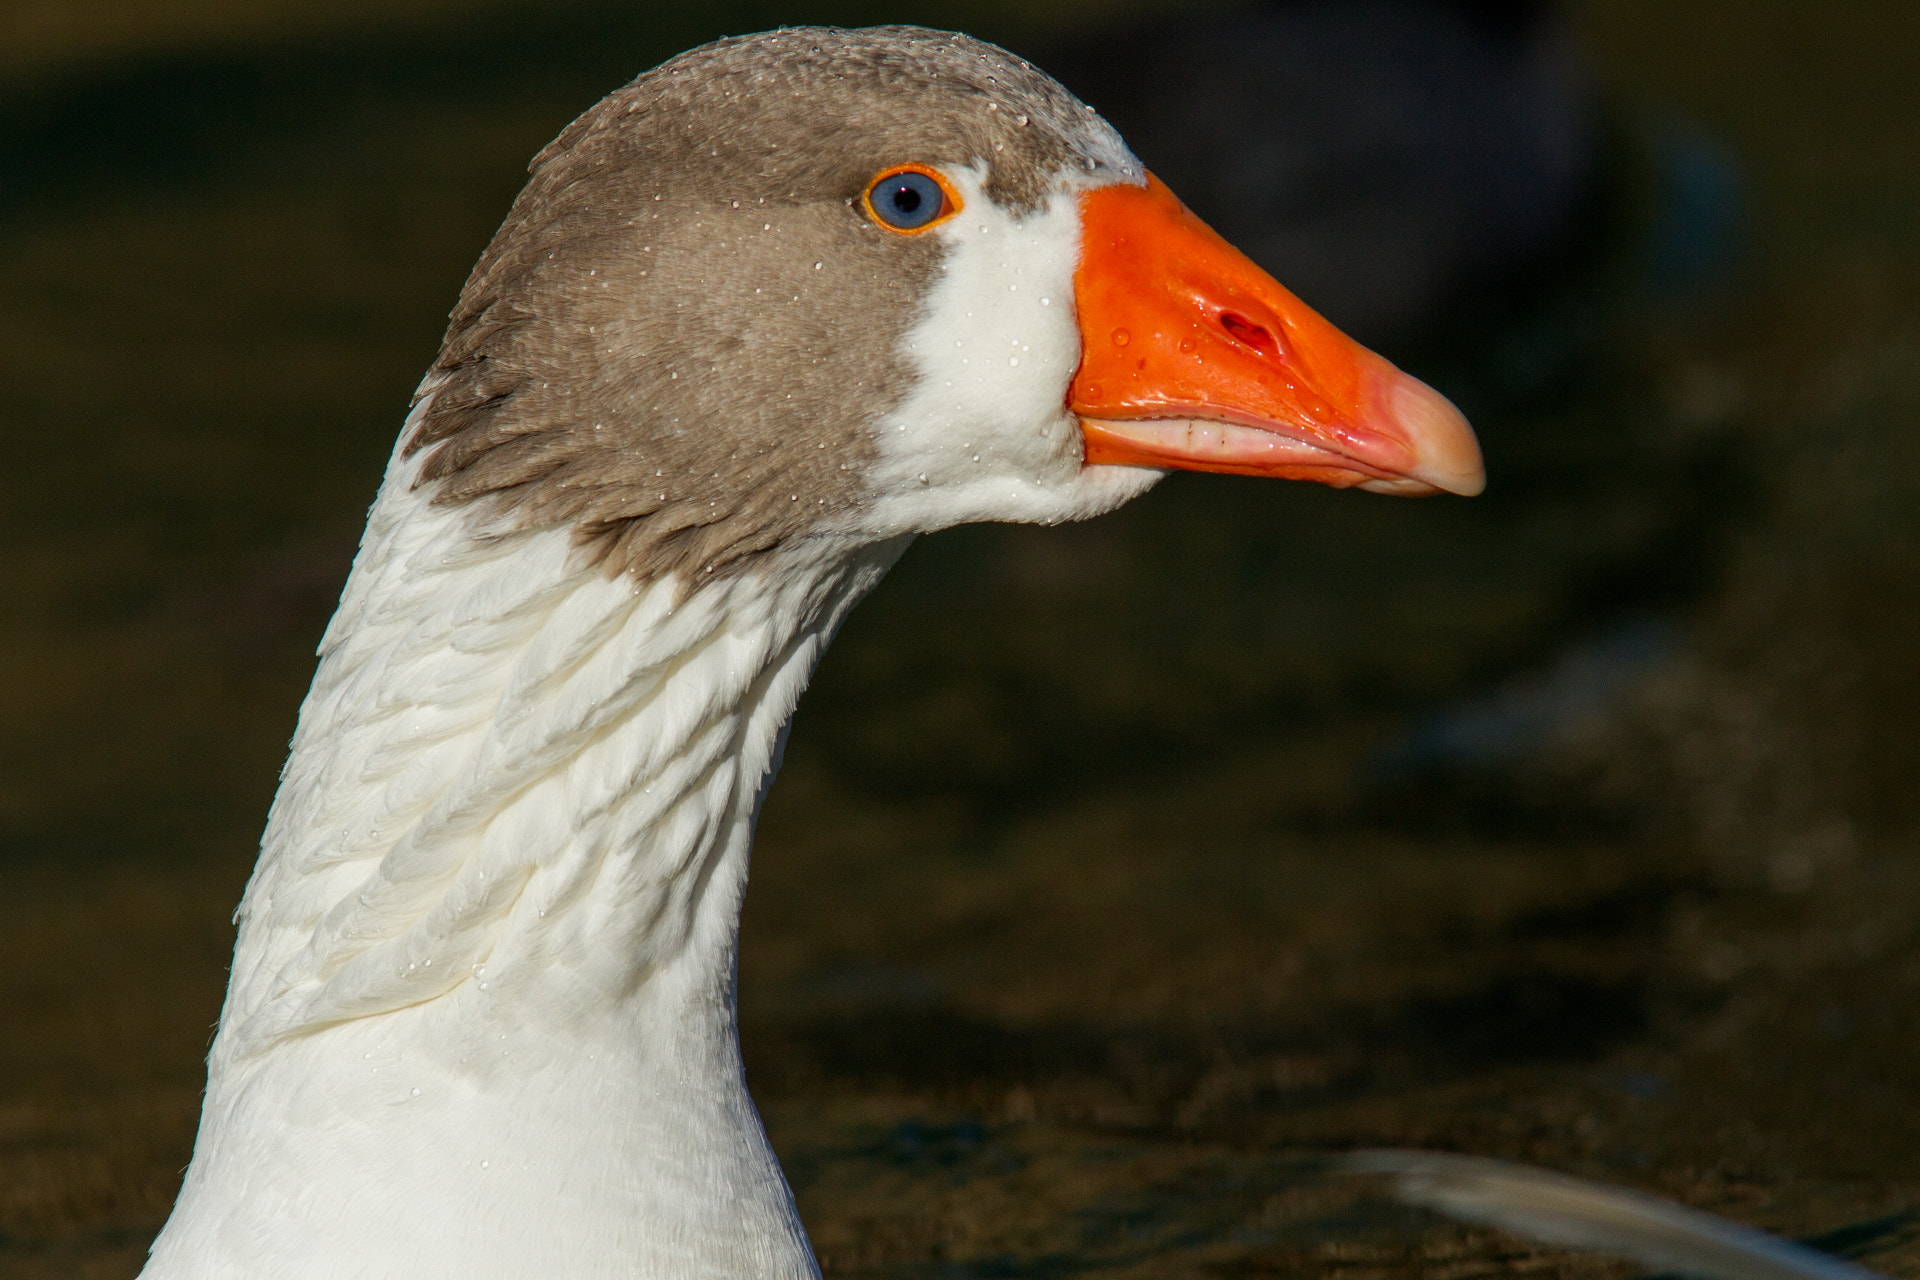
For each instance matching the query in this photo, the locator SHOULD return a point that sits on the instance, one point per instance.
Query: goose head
(872, 284)
(757, 319)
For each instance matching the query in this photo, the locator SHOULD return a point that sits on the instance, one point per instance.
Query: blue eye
(906, 199)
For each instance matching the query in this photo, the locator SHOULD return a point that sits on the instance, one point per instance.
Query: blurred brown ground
(1083, 905)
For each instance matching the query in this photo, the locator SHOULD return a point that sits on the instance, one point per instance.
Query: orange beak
(1194, 358)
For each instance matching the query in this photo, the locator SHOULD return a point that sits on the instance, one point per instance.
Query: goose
(758, 318)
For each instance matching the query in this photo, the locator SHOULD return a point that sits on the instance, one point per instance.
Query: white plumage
(484, 976)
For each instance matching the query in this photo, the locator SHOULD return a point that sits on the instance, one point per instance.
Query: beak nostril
(1247, 333)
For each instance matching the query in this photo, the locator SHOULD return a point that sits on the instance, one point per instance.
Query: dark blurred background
(1114, 866)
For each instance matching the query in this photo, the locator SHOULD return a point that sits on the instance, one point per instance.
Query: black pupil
(907, 200)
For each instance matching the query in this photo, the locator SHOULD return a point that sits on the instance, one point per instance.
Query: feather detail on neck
(498, 900)
(498, 735)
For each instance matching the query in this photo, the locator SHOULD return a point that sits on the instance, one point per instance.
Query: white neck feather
(481, 1015)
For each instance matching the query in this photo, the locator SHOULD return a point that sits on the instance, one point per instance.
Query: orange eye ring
(898, 197)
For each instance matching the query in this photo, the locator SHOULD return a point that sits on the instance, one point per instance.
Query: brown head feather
(681, 338)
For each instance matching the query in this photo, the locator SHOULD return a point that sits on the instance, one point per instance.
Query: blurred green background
(1112, 865)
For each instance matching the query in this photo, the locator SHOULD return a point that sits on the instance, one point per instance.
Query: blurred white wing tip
(1556, 1209)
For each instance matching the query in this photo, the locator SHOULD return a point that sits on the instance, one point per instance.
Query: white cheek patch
(985, 434)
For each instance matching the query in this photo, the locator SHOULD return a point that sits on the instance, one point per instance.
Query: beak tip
(1446, 453)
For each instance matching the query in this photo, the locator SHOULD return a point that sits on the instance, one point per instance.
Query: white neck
(481, 1017)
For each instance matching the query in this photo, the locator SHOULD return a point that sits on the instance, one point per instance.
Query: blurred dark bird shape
(1386, 158)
